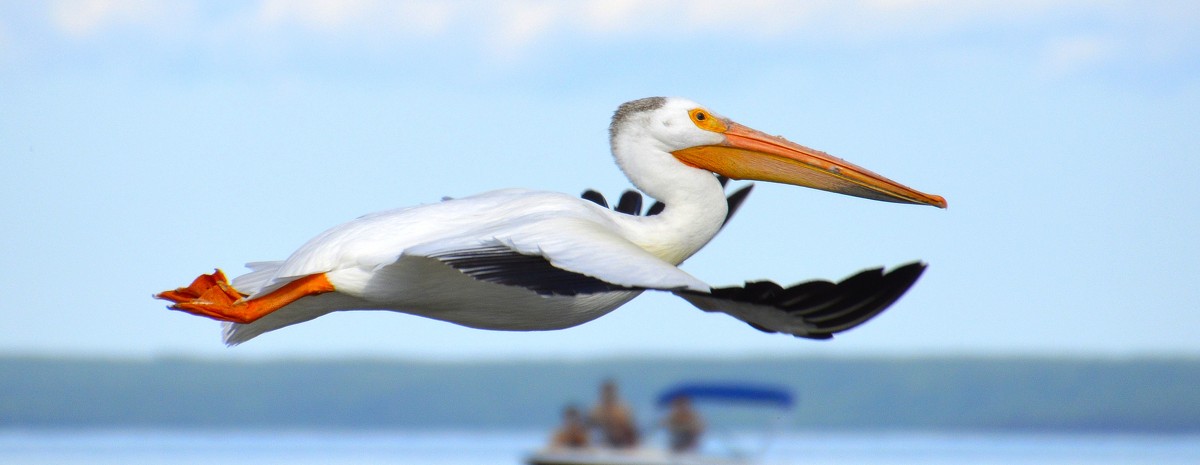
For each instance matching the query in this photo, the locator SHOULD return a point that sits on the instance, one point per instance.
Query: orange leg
(210, 295)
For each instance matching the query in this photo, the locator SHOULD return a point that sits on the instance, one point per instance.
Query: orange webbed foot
(211, 295)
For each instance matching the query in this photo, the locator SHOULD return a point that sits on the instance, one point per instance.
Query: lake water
(491, 448)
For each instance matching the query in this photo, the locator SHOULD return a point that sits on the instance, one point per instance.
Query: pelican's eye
(706, 121)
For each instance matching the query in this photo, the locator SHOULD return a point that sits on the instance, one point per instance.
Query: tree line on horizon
(987, 394)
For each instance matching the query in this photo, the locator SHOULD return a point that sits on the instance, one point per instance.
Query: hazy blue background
(142, 143)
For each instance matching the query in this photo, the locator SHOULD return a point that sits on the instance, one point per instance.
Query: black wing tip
(734, 201)
(910, 271)
(887, 289)
(595, 197)
(825, 307)
(630, 203)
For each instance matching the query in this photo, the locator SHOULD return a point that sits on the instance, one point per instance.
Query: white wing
(570, 234)
(571, 244)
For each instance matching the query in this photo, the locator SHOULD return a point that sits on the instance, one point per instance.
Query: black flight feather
(631, 203)
(821, 308)
(502, 265)
(595, 197)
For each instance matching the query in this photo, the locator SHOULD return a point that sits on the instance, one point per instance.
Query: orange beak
(750, 154)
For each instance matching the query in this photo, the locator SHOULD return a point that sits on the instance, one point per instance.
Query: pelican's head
(699, 138)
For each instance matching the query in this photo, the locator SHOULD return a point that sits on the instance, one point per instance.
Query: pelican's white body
(383, 260)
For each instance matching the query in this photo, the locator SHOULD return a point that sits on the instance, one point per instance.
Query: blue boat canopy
(729, 392)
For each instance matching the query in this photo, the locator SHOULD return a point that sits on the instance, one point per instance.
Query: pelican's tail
(298, 312)
(260, 277)
(262, 281)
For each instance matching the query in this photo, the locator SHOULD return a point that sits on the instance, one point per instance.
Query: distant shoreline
(987, 394)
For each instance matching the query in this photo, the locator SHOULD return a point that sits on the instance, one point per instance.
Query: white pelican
(527, 260)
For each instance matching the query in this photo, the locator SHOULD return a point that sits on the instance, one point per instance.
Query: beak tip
(938, 201)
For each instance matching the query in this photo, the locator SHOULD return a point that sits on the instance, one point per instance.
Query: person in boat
(573, 433)
(684, 425)
(614, 419)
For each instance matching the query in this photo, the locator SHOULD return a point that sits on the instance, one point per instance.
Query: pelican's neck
(695, 200)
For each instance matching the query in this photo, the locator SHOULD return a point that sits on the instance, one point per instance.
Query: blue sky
(146, 142)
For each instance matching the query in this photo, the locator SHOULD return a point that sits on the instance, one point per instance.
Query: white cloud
(80, 18)
(755, 17)
(827, 19)
(427, 17)
(515, 23)
(521, 23)
(514, 28)
(1073, 54)
(349, 17)
(613, 15)
(317, 14)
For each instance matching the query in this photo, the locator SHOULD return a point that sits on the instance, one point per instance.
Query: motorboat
(649, 454)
